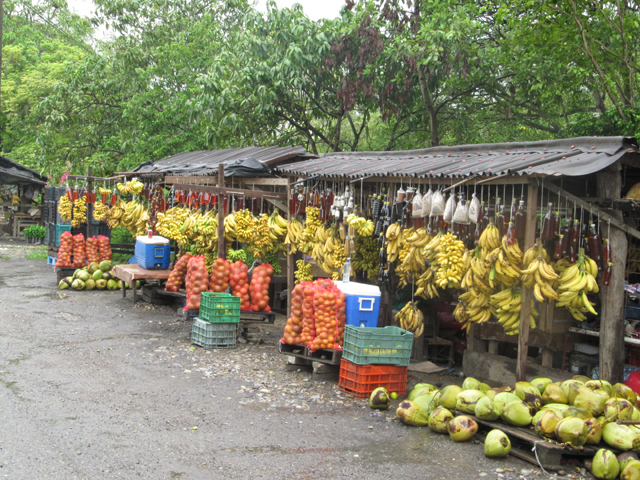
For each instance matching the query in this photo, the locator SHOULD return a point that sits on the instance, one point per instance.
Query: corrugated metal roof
(572, 156)
(12, 173)
(205, 162)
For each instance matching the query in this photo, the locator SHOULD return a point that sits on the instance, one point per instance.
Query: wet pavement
(92, 387)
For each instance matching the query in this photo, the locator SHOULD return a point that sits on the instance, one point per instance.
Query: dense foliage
(178, 75)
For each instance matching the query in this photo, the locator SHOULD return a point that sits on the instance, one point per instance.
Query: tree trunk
(428, 103)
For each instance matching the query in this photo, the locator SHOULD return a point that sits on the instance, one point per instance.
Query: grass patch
(5, 257)
(39, 253)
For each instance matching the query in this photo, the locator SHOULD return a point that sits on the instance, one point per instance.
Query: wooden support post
(89, 205)
(493, 347)
(221, 213)
(547, 357)
(526, 294)
(290, 262)
(612, 297)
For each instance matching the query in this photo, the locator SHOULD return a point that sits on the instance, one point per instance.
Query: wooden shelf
(593, 333)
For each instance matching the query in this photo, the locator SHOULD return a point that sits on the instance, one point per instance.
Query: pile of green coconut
(574, 413)
(96, 276)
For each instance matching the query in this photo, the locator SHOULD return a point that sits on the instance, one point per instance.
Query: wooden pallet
(326, 356)
(152, 294)
(523, 440)
(257, 317)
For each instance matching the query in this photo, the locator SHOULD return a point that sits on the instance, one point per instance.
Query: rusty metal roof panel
(205, 162)
(573, 156)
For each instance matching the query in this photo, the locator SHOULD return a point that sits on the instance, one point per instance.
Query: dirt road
(93, 388)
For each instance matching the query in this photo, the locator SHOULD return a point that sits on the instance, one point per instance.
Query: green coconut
(97, 275)
(620, 390)
(572, 430)
(429, 401)
(516, 413)
(101, 284)
(112, 285)
(541, 384)
(581, 378)
(462, 428)
(105, 265)
(559, 409)
(93, 266)
(594, 431)
(578, 412)
(467, 399)
(379, 399)
(625, 458)
(497, 444)
(569, 385)
(65, 283)
(448, 396)
(593, 401)
(484, 410)
(501, 399)
(631, 471)
(603, 384)
(484, 388)
(618, 409)
(605, 465)
(635, 415)
(471, 383)
(620, 437)
(491, 393)
(411, 414)
(83, 275)
(554, 394)
(439, 420)
(545, 426)
(90, 284)
(77, 284)
(529, 394)
(420, 389)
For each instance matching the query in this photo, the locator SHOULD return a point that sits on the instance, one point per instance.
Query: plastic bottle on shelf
(346, 274)
(547, 231)
(520, 221)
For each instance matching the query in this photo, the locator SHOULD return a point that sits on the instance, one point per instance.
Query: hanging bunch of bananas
(261, 241)
(244, 225)
(477, 276)
(507, 264)
(319, 246)
(426, 283)
(539, 275)
(15, 200)
(170, 224)
(99, 210)
(490, 238)
(366, 257)
(311, 224)
(235, 255)
(206, 231)
(474, 305)
(394, 241)
(404, 272)
(65, 208)
(79, 212)
(230, 230)
(135, 218)
(133, 186)
(334, 256)
(451, 262)
(413, 261)
(209, 259)
(303, 272)
(575, 283)
(278, 227)
(294, 233)
(114, 214)
(361, 225)
(411, 319)
(505, 305)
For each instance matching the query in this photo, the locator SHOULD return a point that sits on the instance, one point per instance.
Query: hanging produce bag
(416, 211)
(178, 274)
(437, 204)
(461, 214)
(449, 208)
(427, 200)
(293, 329)
(197, 282)
(239, 282)
(65, 250)
(220, 274)
(259, 288)
(474, 209)
(79, 254)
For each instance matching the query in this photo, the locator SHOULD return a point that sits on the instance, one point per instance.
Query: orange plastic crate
(361, 380)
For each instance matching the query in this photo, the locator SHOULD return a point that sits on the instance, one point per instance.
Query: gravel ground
(92, 387)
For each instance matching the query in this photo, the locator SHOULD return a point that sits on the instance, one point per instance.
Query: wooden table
(20, 222)
(130, 273)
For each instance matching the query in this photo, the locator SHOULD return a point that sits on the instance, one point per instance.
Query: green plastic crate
(377, 346)
(219, 307)
(60, 229)
(213, 335)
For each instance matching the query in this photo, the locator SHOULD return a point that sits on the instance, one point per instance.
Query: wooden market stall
(589, 173)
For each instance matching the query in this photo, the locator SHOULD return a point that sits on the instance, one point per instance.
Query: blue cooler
(363, 303)
(153, 253)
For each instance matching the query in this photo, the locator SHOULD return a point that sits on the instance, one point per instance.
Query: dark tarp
(12, 173)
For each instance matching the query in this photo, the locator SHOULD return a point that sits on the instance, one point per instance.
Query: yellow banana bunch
(261, 241)
(171, 223)
(244, 225)
(427, 283)
(99, 211)
(490, 238)
(505, 305)
(394, 240)
(65, 208)
(410, 318)
(415, 242)
(362, 226)
(539, 275)
(135, 218)
(451, 262)
(303, 272)
(575, 283)
(15, 200)
(278, 227)
(79, 212)
(477, 275)
(404, 271)
(230, 230)
(311, 224)
(104, 191)
(366, 257)
(294, 232)
(132, 187)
